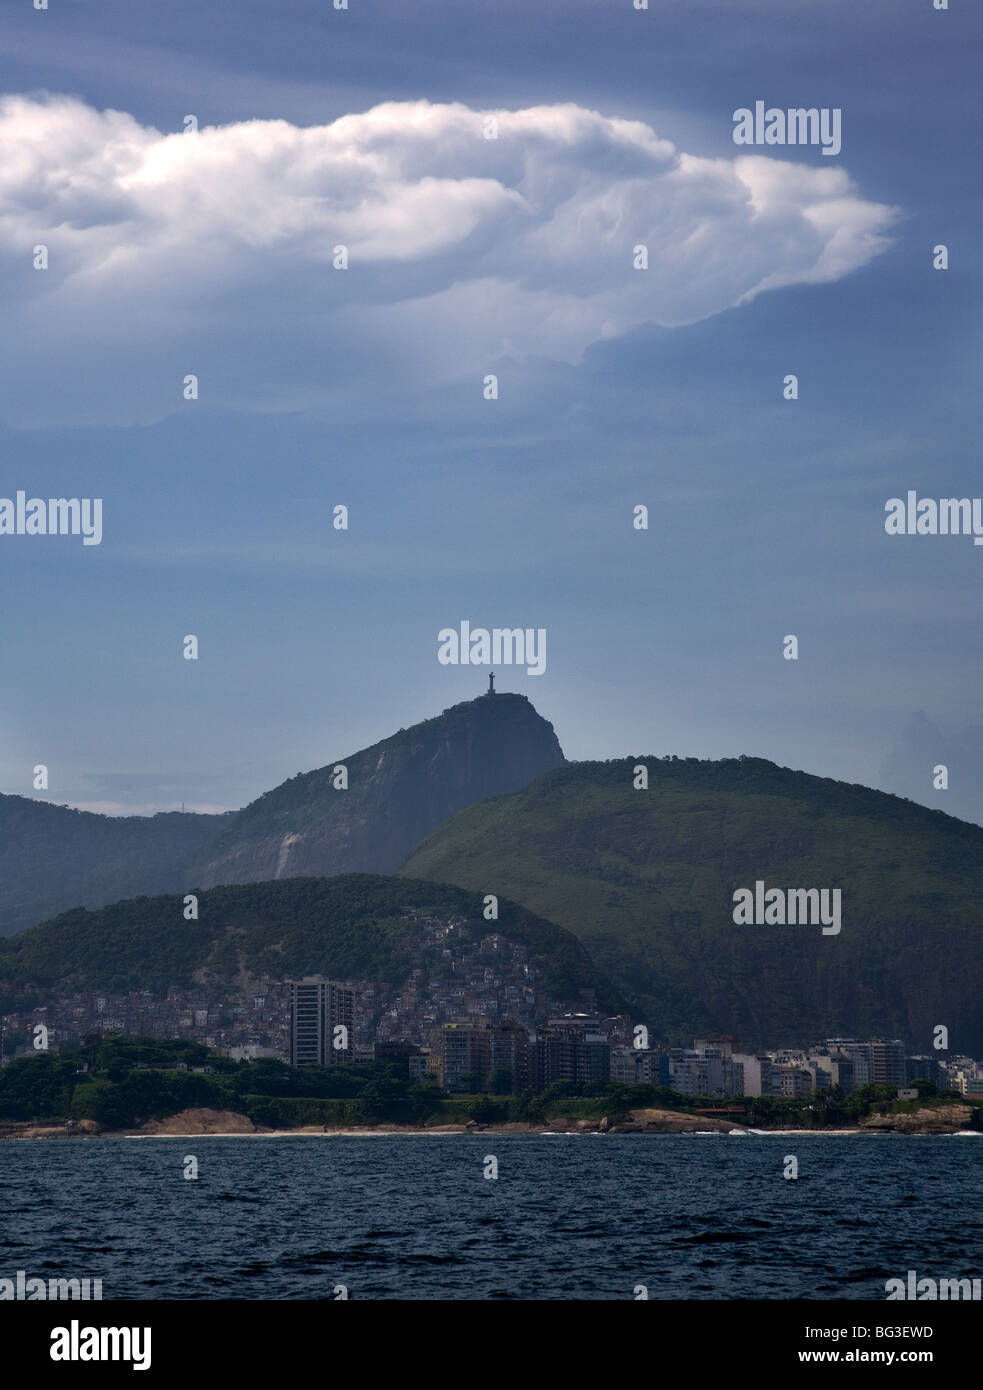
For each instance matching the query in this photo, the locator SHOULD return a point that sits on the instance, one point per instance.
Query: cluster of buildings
(481, 978)
(464, 1056)
(506, 1057)
(957, 1073)
(468, 1017)
(257, 1020)
(459, 972)
(714, 1067)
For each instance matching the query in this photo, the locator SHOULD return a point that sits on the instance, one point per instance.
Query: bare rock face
(200, 1120)
(83, 1127)
(23, 1131)
(398, 792)
(653, 1121)
(54, 859)
(942, 1119)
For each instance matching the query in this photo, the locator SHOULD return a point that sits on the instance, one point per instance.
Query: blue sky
(363, 387)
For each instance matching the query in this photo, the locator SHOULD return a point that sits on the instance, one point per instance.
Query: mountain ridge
(346, 926)
(415, 778)
(645, 878)
(53, 858)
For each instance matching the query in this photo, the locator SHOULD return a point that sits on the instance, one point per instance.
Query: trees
(486, 1111)
(558, 1089)
(36, 1088)
(925, 1089)
(425, 1099)
(526, 1108)
(500, 1081)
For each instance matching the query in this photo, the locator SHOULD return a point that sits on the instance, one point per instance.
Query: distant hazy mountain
(349, 926)
(53, 858)
(646, 880)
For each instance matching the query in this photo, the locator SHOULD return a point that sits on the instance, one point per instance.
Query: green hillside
(350, 926)
(645, 879)
(54, 857)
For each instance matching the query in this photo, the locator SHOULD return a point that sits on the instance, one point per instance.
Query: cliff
(53, 858)
(398, 791)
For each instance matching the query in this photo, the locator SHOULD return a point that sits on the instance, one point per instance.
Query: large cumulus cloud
(212, 253)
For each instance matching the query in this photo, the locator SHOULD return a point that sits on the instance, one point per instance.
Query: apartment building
(878, 1061)
(322, 1022)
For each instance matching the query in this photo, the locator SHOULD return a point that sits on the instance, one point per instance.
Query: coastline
(215, 1124)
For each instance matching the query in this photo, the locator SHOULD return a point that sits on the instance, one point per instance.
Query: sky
(210, 252)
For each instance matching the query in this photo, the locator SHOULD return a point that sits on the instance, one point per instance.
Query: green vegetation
(645, 879)
(831, 1109)
(351, 926)
(53, 857)
(121, 1082)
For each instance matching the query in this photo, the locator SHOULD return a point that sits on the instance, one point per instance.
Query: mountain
(398, 791)
(646, 879)
(352, 926)
(53, 858)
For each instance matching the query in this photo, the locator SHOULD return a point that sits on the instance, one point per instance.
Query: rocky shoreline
(189, 1124)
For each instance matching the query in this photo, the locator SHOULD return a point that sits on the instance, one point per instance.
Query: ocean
(413, 1216)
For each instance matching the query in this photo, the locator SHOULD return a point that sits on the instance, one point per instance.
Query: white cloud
(211, 253)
